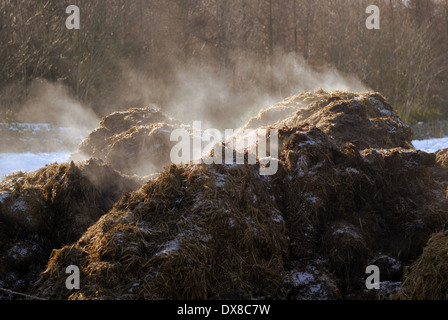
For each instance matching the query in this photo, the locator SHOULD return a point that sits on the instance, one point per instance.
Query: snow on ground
(28, 162)
(431, 145)
(28, 147)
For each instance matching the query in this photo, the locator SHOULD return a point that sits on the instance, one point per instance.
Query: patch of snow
(4, 195)
(394, 264)
(17, 251)
(310, 143)
(139, 206)
(317, 166)
(144, 227)
(21, 250)
(170, 247)
(277, 217)
(316, 288)
(309, 230)
(173, 245)
(135, 285)
(346, 230)
(198, 203)
(310, 197)
(302, 163)
(431, 145)
(29, 162)
(302, 278)
(118, 237)
(19, 205)
(380, 108)
(267, 160)
(250, 221)
(389, 286)
(133, 246)
(220, 180)
(351, 170)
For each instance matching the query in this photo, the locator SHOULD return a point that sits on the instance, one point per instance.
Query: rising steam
(225, 99)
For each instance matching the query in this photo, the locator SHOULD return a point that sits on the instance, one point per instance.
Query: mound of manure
(350, 191)
(135, 142)
(46, 209)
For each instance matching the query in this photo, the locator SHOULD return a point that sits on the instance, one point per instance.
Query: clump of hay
(440, 170)
(427, 278)
(442, 158)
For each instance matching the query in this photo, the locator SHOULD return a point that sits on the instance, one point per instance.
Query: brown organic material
(350, 191)
(51, 207)
(134, 142)
(427, 278)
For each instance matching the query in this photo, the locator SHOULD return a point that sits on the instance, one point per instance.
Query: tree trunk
(294, 10)
(271, 31)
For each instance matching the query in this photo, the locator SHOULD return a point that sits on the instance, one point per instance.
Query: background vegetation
(406, 59)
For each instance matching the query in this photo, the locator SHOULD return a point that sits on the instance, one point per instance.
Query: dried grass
(427, 278)
(142, 134)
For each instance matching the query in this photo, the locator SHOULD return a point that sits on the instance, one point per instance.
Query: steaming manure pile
(365, 119)
(350, 191)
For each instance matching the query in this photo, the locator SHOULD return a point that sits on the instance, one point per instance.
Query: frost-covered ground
(431, 145)
(28, 162)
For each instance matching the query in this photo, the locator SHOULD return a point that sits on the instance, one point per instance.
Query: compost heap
(350, 191)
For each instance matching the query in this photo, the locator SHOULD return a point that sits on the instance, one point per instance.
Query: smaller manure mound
(135, 142)
(45, 209)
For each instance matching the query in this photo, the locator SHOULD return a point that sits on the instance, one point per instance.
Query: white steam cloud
(52, 103)
(225, 99)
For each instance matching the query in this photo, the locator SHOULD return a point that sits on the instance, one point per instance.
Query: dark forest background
(406, 60)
